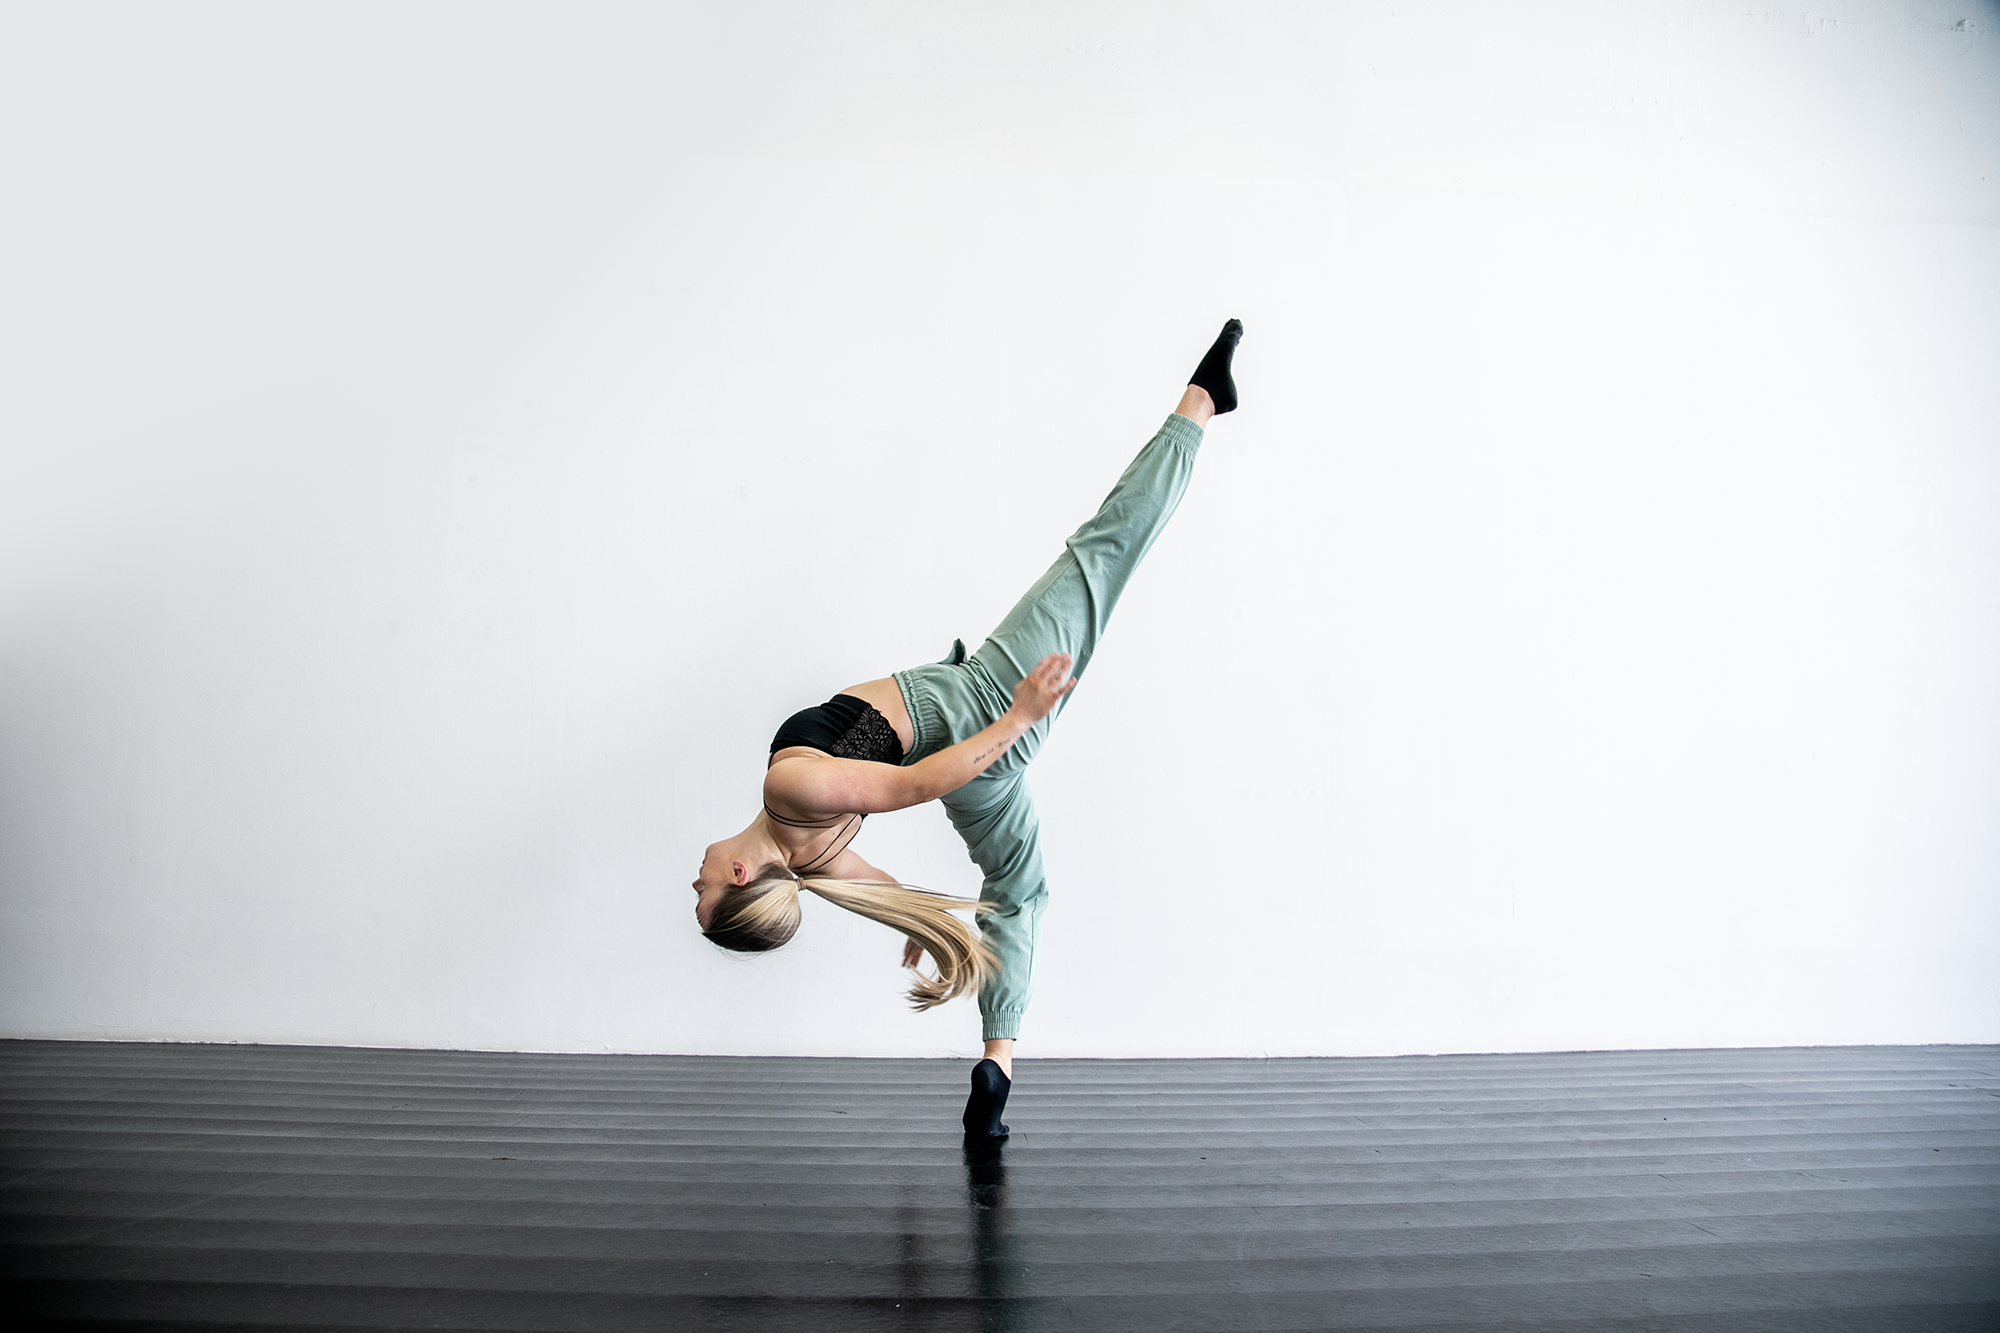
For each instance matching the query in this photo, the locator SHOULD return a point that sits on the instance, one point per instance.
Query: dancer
(962, 732)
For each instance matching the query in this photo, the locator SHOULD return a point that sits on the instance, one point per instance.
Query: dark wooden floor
(1749, 1191)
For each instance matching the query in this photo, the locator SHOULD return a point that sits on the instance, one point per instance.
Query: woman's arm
(809, 786)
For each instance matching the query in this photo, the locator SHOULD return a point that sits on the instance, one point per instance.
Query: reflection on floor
(215, 1186)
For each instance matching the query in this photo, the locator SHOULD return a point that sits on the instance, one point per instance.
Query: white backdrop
(441, 443)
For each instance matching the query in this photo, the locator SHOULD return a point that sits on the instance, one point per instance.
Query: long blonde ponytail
(963, 961)
(764, 914)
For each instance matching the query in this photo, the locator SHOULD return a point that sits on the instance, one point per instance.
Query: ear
(739, 872)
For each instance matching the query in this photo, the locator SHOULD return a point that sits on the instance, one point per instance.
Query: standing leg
(996, 820)
(1003, 837)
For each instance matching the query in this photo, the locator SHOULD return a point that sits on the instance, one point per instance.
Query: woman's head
(764, 914)
(736, 861)
(755, 917)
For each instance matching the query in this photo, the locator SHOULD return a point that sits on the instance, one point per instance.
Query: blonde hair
(764, 914)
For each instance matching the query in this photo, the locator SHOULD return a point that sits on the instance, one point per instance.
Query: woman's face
(718, 872)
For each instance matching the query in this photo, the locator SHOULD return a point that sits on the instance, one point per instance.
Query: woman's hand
(811, 785)
(913, 954)
(1039, 689)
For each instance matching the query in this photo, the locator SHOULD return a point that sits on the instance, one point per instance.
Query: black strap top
(844, 727)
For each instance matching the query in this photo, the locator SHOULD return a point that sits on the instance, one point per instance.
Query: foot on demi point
(1212, 375)
(988, 1100)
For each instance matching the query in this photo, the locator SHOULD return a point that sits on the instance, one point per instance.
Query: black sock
(1213, 372)
(988, 1100)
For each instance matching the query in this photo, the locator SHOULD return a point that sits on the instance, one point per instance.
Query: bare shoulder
(789, 786)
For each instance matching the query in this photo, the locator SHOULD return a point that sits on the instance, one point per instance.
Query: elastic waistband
(948, 701)
(921, 727)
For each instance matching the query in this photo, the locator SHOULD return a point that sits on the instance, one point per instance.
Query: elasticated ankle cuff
(1182, 431)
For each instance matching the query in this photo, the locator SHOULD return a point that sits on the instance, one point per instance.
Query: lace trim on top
(871, 738)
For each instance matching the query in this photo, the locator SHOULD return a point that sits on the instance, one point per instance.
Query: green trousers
(1065, 612)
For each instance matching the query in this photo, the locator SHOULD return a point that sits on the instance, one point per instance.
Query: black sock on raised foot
(988, 1100)
(1213, 372)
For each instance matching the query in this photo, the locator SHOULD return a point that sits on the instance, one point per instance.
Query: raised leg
(1069, 606)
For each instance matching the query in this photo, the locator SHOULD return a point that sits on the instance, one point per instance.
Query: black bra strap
(804, 823)
(834, 847)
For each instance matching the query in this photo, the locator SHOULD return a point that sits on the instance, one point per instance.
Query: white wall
(440, 445)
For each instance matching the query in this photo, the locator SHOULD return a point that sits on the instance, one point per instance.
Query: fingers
(1060, 680)
(912, 953)
(1051, 681)
(1044, 685)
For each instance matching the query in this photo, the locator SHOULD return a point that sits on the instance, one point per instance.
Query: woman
(961, 731)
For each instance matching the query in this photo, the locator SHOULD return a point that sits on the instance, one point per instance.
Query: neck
(758, 842)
